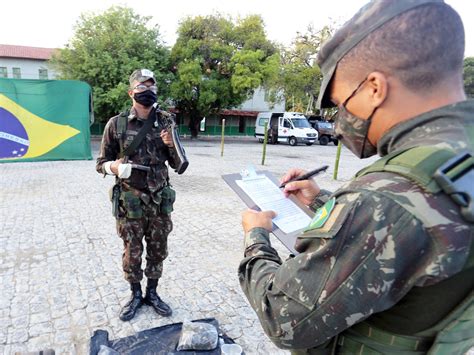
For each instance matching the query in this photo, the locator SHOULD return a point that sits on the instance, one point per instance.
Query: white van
(290, 127)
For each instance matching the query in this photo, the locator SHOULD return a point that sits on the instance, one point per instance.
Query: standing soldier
(135, 147)
(387, 266)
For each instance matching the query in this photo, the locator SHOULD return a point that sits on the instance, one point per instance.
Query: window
(16, 73)
(43, 74)
(266, 96)
(3, 72)
(261, 121)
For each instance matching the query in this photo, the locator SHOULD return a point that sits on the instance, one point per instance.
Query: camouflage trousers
(152, 226)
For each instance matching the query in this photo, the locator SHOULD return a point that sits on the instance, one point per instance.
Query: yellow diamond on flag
(42, 135)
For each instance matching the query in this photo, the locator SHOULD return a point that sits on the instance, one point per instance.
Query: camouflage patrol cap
(365, 21)
(142, 75)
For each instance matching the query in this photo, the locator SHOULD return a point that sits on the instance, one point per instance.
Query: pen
(306, 176)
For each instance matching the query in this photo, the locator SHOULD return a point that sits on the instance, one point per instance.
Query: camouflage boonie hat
(142, 75)
(365, 21)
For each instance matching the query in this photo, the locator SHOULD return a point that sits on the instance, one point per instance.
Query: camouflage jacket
(151, 152)
(384, 236)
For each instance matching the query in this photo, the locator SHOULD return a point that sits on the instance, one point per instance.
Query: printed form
(268, 196)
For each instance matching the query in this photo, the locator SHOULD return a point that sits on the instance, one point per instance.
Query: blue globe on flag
(14, 142)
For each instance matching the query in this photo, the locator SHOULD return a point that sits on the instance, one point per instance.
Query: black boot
(152, 299)
(136, 301)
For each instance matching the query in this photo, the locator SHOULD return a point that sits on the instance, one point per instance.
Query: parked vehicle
(325, 130)
(285, 127)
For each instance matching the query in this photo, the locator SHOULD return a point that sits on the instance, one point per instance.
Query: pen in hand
(306, 176)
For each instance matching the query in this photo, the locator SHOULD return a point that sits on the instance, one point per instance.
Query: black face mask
(145, 98)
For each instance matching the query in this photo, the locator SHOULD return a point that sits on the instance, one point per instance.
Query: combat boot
(152, 299)
(136, 301)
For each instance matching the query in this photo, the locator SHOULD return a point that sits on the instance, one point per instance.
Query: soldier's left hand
(166, 137)
(253, 219)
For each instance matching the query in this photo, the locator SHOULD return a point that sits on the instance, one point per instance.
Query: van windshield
(300, 123)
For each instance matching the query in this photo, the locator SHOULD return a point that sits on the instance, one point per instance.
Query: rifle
(169, 120)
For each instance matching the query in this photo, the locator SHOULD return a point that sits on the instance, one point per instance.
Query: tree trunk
(194, 121)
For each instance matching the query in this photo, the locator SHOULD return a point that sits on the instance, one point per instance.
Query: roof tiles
(12, 51)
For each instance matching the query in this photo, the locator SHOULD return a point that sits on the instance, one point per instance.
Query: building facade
(22, 62)
(239, 121)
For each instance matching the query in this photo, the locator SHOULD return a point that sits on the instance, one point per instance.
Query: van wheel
(324, 140)
(292, 141)
(335, 141)
(309, 143)
(260, 140)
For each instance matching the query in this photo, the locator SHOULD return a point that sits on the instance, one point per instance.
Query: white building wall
(257, 103)
(29, 67)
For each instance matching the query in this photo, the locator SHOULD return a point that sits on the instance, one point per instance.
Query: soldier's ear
(377, 86)
(130, 93)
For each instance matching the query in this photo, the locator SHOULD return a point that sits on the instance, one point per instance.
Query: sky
(50, 23)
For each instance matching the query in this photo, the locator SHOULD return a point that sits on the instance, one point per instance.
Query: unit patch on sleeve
(322, 215)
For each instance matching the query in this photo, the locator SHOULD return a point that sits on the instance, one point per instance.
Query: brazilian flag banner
(44, 120)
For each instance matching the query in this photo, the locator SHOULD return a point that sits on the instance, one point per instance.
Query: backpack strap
(416, 164)
(122, 129)
(434, 169)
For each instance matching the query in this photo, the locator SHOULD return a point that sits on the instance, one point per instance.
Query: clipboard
(288, 239)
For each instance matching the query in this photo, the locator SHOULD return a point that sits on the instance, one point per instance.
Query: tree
(218, 64)
(469, 76)
(106, 49)
(300, 76)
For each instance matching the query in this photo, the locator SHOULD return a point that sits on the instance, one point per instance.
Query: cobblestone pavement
(60, 269)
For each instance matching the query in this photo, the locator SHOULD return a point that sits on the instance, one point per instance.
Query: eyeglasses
(143, 87)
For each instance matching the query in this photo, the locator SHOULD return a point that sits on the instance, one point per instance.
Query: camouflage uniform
(385, 238)
(140, 212)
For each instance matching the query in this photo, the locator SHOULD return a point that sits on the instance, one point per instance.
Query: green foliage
(300, 77)
(469, 76)
(218, 63)
(106, 49)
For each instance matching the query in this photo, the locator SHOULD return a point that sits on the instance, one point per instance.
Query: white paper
(268, 196)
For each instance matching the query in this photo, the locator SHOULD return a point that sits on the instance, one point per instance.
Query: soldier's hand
(305, 191)
(114, 166)
(167, 139)
(253, 219)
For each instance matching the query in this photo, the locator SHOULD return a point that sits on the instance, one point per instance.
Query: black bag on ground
(160, 340)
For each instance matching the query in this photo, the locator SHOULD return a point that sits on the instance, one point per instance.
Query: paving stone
(14, 348)
(62, 323)
(97, 319)
(3, 335)
(17, 335)
(40, 342)
(37, 318)
(57, 312)
(63, 337)
(39, 308)
(40, 329)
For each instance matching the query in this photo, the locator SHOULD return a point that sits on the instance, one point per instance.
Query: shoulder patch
(322, 215)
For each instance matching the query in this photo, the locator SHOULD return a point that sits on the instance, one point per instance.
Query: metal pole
(222, 137)
(338, 154)
(265, 139)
